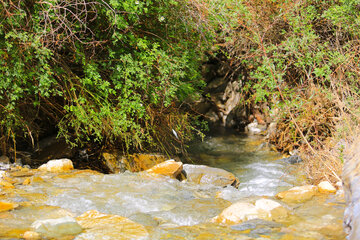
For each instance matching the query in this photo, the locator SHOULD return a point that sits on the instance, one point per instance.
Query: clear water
(259, 169)
(171, 209)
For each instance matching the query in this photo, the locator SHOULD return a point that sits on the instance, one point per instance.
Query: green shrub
(98, 71)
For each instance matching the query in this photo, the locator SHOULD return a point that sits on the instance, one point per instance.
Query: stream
(167, 208)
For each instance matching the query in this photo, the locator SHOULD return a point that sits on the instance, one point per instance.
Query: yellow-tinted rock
(37, 179)
(57, 165)
(168, 168)
(27, 181)
(326, 187)
(141, 162)
(237, 213)
(22, 173)
(298, 194)
(5, 184)
(77, 173)
(30, 235)
(265, 209)
(5, 206)
(10, 180)
(134, 162)
(112, 162)
(106, 226)
(275, 211)
(57, 227)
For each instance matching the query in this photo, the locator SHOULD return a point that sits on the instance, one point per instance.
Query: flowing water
(170, 209)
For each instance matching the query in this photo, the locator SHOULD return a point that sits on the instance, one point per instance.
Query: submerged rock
(107, 226)
(298, 194)
(57, 165)
(256, 223)
(168, 168)
(202, 174)
(58, 227)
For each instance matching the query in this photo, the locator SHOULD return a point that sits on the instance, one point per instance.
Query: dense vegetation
(117, 71)
(98, 71)
(302, 59)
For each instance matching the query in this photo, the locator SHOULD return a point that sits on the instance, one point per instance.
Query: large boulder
(106, 226)
(57, 165)
(202, 174)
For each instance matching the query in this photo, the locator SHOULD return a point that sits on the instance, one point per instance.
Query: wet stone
(298, 194)
(237, 213)
(169, 168)
(258, 223)
(6, 206)
(21, 174)
(244, 226)
(57, 227)
(202, 174)
(30, 235)
(106, 226)
(6, 184)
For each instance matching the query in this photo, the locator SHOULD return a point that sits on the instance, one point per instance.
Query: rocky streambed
(249, 195)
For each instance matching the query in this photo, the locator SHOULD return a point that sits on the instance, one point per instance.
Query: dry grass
(321, 129)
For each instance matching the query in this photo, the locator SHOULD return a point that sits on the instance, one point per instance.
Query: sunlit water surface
(171, 209)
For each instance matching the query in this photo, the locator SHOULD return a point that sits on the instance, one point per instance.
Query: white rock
(57, 227)
(339, 184)
(252, 128)
(237, 213)
(326, 187)
(274, 210)
(266, 204)
(57, 165)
